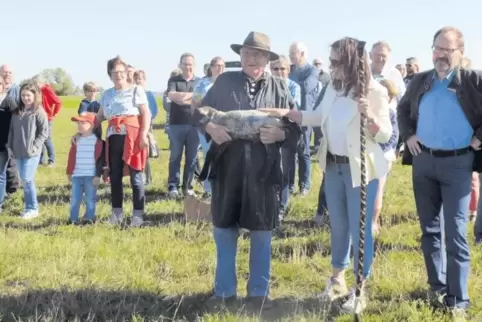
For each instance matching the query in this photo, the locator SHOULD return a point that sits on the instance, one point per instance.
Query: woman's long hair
(37, 93)
(353, 62)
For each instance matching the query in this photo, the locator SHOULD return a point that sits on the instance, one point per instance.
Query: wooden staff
(363, 202)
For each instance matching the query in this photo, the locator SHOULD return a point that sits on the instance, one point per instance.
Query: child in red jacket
(85, 166)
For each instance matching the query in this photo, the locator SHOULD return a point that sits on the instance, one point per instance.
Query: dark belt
(337, 158)
(445, 153)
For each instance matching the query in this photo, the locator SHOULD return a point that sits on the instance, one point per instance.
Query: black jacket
(246, 176)
(6, 107)
(467, 85)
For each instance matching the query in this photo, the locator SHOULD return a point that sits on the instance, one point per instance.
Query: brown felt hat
(259, 41)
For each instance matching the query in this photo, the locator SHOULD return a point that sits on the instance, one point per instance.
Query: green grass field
(53, 272)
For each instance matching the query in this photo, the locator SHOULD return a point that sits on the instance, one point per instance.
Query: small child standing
(29, 129)
(90, 104)
(85, 165)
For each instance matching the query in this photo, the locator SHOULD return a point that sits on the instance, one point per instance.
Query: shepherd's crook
(363, 203)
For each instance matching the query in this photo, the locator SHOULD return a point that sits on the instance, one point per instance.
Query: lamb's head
(207, 111)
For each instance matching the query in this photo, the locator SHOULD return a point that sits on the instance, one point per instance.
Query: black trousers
(116, 167)
(12, 176)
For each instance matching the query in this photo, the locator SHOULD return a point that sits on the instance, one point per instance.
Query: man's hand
(217, 133)
(143, 142)
(96, 181)
(475, 143)
(271, 134)
(413, 145)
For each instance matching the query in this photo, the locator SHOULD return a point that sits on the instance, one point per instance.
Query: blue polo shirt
(442, 123)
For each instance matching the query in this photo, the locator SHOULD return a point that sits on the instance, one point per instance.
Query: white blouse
(338, 119)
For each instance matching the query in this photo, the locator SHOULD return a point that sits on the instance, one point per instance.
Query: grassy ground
(53, 272)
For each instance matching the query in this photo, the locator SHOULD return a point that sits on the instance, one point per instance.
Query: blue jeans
(344, 207)
(83, 186)
(26, 169)
(49, 146)
(205, 147)
(4, 158)
(225, 283)
(304, 162)
(180, 137)
(444, 181)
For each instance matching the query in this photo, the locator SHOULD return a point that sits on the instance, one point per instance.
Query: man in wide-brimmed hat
(246, 175)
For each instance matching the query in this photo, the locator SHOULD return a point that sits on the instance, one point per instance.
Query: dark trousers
(317, 133)
(288, 156)
(304, 162)
(12, 176)
(444, 181)
(322, 206)
(116, 166)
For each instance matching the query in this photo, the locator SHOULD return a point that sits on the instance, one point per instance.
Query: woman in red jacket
(52, 105)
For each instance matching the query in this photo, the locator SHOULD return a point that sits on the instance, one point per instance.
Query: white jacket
(377, 165)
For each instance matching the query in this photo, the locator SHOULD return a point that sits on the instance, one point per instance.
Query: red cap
(85, 117)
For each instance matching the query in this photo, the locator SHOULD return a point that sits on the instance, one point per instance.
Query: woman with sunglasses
(352, 92)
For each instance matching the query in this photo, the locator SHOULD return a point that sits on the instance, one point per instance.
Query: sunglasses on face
(335, 62)
(280, 68)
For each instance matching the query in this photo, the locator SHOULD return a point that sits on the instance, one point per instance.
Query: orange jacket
(133, 156)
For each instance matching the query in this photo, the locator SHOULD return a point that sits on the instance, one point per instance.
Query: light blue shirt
(442, 123)
(295, 91)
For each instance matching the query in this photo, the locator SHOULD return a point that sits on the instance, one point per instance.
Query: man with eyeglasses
(323, 77)
(306, 76)
(440, 119)
(281, 68)
(412, 68)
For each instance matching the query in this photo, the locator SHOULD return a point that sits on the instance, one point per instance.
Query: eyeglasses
(218, 65)
(317, 64)
(280, 68)
(439, 49)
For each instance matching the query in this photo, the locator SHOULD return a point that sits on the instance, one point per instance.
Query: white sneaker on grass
(353, 304)
(29, 214)
(115, 218)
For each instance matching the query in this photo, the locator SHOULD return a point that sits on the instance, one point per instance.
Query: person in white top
(353, 91)
(380, 67)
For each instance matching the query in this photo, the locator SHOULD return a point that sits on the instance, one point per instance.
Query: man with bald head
(306, 76)
(13, 90)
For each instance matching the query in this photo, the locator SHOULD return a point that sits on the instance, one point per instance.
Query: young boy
(85, 165)
(90, 104)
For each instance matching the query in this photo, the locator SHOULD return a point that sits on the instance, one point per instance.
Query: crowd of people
(432, 119)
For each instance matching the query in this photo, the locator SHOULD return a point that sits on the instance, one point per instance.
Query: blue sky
(80, 36)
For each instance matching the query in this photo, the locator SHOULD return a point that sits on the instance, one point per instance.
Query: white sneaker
(115, 219)
(355, 305)
(189, 192)
(29, 214)
(335, 288)
(137, 221)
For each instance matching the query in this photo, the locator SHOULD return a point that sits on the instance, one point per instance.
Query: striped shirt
(85, 156)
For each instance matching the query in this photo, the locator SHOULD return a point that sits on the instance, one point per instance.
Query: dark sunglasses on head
(279, 68)
(317, 64)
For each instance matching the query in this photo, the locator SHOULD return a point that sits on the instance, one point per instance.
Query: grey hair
(38, 79)
(301, 47)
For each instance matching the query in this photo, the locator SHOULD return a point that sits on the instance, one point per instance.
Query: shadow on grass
(158, 126)
(61, 196)
(95, 305)
(50, 222)
(287, 251)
